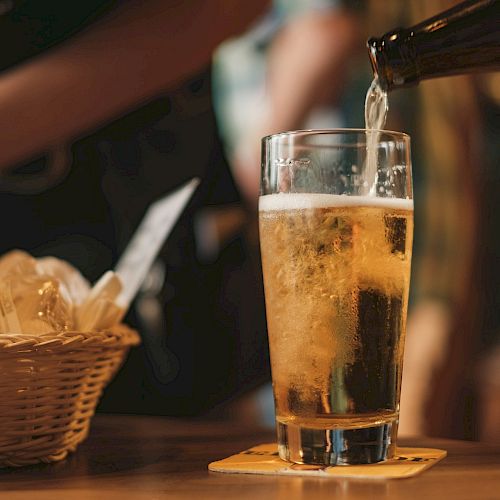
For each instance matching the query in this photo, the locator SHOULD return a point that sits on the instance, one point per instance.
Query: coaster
(264, 459)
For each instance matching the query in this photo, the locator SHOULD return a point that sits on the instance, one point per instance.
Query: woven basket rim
(50, 386)
(117, 336)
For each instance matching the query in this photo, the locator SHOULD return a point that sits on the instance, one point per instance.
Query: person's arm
(141, 49)
(307, 67)
(308, 63)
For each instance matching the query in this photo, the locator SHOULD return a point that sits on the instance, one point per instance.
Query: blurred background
(105, 106)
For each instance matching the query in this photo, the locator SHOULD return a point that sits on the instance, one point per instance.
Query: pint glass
(336, 228)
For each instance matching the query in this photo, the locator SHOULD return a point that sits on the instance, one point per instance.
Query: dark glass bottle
(464, 39)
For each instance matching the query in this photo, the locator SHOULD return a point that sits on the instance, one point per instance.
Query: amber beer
(336, 275)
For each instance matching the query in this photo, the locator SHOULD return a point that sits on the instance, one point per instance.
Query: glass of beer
(336, 229)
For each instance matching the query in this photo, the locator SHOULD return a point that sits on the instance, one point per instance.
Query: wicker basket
(49, 387)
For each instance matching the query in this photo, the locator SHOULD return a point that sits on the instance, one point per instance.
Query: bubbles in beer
(336, 275)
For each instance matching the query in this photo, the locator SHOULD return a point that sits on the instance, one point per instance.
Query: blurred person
(488, 376)
(111, 103)
(453, 320)
(290, 72)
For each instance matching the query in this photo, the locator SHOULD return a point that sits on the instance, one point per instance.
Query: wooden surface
(132, 457)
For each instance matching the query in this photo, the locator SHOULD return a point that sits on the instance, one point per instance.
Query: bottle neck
(394, 59)
(461, 40)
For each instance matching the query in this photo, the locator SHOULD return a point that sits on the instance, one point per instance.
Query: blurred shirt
(202, 323)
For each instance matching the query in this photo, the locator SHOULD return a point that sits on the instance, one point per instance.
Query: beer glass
(336, 228)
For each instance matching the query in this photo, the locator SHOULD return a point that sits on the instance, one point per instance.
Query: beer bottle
(463, 39)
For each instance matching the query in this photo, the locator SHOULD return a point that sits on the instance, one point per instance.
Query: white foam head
(301, 201)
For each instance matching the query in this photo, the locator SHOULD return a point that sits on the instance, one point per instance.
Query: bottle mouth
(378, 63)
(371, 45)
(394, 59)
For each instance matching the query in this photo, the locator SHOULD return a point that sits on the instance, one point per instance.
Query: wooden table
(135, 457)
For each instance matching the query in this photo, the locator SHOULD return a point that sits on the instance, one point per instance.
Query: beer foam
(301, 201)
